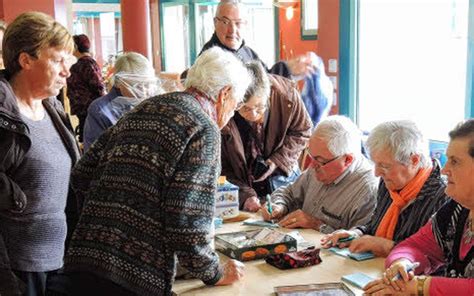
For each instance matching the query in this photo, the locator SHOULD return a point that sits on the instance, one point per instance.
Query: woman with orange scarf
(410, 190)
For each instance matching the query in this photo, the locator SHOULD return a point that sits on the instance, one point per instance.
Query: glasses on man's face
(227, 22)
(321, 160)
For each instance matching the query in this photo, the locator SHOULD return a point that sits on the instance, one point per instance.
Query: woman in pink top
(446, 243)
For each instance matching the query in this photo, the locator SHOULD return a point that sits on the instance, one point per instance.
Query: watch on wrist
(420, 284)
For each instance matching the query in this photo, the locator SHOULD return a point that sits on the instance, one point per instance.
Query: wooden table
(261, 278)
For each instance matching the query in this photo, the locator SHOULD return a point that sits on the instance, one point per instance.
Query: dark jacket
(286, 134)
(246, 54)
(15, 143)
(417, 213)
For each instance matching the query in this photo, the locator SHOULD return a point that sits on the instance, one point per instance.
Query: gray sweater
(348, 201)
(35, 238)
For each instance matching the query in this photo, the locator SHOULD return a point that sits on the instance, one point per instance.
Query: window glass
(412, 63)
(175, 44)
(204, 24)
(258, 34)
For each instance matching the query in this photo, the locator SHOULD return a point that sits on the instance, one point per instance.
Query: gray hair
(133, 63)
(135, 72)
(260, 86)
(341, 135)
(402, 139)
(236, 3)
(215, 69)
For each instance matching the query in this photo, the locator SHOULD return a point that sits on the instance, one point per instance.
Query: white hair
(215, 69)
(135, 72)
(341, 135)
(402, 139)
(133, 63)
(236, 3)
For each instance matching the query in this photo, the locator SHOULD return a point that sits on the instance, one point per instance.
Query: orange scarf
(399, 201)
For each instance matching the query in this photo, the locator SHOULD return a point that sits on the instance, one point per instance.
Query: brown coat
(286, 135)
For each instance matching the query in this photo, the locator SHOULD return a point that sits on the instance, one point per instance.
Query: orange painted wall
(327, 44)
(55, 8)
(291, 43)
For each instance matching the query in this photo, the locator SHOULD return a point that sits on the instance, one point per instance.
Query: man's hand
(300, 219)
(271, 168)
(332, 240)
(381, 247)
(252, 204)
(233, 271)
(277, 212)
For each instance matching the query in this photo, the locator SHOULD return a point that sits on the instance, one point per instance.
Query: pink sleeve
(420, 247)
(451, 286)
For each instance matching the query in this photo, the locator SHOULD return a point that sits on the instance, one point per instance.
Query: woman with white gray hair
(411, 189)
(262, 143)
(134, 80)
(146, 189)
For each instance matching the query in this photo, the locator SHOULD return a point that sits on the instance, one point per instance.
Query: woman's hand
(233, 271)
(252, 204)
(399, 266)
(332, 240)
(381, 247)
(379, 287)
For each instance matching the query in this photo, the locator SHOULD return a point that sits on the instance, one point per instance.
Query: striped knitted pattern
(147, 190)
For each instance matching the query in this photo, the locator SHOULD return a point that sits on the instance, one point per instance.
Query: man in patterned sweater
(147, 189)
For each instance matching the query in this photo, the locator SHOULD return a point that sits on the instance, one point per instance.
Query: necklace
(468, 234)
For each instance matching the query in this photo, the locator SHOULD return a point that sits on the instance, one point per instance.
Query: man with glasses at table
(229, 23)
(338, 190)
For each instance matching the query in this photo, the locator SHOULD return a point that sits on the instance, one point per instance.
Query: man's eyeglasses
(320, 160)
(226, 21)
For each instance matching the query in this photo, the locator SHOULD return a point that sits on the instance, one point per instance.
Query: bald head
(230, 19)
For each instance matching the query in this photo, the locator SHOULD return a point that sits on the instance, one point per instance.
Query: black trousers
(35, 282)
(80, 284)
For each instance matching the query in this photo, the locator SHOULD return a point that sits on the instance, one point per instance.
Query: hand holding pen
(408, 267)
(340, 238)
(271, 212)
(399, 274)
(401, 269)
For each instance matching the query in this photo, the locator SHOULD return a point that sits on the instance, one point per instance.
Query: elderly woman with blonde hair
(410, 191)
(37, 150)
(134, 80)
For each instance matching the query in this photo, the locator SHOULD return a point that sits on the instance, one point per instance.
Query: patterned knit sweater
(147, 190)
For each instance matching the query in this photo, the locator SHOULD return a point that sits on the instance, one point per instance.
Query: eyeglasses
(226, 22)
(258, 108)
(320, 160)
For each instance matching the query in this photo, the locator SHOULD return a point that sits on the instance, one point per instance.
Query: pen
(346, 239)
(343, 240)
(410, 267)
(269, 204)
